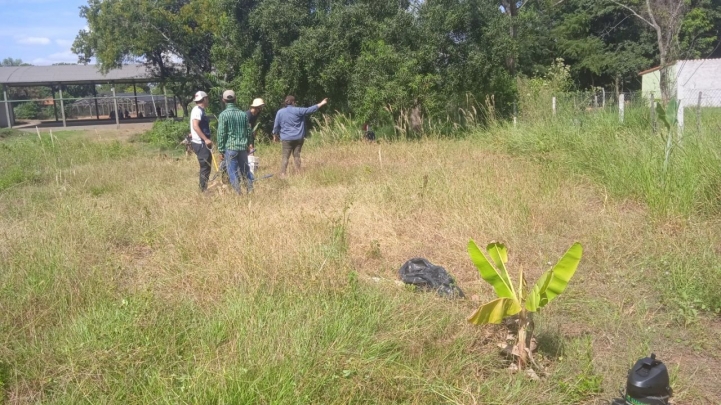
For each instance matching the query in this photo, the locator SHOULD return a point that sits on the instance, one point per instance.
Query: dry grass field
(120, 283)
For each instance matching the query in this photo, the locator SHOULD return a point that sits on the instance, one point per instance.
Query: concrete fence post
(621, 106)
(7, 108)
(117, 113)
(62, 105)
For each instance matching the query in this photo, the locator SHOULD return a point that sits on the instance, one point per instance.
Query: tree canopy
(374, 57)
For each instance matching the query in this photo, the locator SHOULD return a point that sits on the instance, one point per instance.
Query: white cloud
(59, 57)
(33, 41)
(63, 42)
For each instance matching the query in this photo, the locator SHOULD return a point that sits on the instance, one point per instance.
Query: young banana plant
(519, 301)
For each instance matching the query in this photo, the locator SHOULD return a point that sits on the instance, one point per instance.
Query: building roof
(72, 74)
(716, 61)
(649, 70)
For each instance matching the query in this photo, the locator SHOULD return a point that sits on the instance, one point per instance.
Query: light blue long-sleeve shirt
(290, 122)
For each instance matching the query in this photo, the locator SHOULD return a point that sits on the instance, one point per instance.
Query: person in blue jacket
(290, 128)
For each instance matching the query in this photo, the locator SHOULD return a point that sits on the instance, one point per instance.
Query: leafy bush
(27, 111)
(166, 133)
(48, 112)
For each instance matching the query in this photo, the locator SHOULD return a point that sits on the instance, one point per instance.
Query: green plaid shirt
(234, 132)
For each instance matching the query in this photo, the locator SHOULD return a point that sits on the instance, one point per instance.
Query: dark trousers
(289, 147)
(205, 159)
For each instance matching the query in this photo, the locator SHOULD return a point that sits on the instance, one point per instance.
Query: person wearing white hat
(255, 109)
(200, 137)
(235, 139)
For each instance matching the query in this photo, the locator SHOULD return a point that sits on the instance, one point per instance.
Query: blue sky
(40, 32)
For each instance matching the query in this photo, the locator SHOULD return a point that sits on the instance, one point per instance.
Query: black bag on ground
(424, 274)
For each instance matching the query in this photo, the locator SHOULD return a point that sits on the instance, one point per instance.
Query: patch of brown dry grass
(142, 224)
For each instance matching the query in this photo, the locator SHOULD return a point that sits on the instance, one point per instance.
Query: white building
(690, 80)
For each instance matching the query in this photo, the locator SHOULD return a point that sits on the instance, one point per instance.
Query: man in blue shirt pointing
(290, 128)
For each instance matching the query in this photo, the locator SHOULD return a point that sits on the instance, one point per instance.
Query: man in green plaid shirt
(235, 138)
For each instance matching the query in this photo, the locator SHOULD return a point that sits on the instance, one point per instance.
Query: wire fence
(699, 110)
(102, 107)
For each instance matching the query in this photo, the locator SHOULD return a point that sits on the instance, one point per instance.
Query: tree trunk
(664, 83)
(617, 87)
(663, 55)
(184, 105)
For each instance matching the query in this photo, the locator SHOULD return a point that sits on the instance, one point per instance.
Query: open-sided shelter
(56, 77)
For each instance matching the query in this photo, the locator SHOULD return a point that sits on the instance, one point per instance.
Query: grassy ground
(121, 284)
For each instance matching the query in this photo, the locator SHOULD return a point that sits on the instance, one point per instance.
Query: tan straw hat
(258, 102)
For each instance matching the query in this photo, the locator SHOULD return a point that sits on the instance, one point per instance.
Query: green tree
(170, 36)
(365, 55)
(700, 29)
(601, 44)
(666, 18)
(29, 110)
(12, 62)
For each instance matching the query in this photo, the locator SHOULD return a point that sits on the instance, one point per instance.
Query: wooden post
(515, 113)
(155, 109)
(603, 99)
(135, 93)
(653, 114)
(95, 97)
(55, 105)
(62, 105)
(595, 99)
(698, 112)
(553, 106)
(7, 108)
(165, 96)
(117, 113)
(621, 106)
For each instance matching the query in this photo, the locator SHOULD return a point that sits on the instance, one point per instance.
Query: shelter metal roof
(72, 74)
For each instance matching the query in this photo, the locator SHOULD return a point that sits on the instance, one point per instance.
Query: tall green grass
(29, 159)
(625, 158)
(8, 132)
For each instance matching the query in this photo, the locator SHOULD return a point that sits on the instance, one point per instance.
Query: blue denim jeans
(224, 169)
(238, 169)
